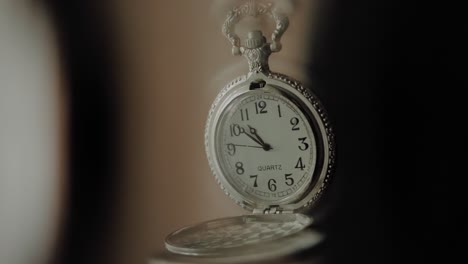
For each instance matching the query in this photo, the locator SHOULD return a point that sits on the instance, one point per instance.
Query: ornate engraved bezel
(310, 106)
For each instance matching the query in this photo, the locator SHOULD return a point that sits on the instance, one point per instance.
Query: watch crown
(255, 39)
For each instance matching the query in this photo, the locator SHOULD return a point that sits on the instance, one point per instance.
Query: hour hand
(259, 140)
(253, 131)
(253, 138)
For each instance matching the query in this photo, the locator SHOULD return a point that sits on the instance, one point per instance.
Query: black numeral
(279, 110)
(304, 145)
(244, 114)
(239, 168)
(260, 107)
(255, 180)
(231, 149)
(294, 122)
(236, 130)
(272, 185)
(289, 180)
(299, 164)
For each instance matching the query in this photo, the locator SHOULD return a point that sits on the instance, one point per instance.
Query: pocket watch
(271, 148)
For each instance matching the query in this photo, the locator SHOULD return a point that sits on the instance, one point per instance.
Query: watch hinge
(274, 209)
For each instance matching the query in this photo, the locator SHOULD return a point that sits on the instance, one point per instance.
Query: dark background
(390, 73)
(87, 49)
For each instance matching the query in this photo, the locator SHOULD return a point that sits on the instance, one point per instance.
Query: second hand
(248, 146)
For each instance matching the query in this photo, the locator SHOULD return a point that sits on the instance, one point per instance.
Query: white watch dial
(265, 147)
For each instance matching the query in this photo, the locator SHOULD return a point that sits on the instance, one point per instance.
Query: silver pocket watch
(271, 148)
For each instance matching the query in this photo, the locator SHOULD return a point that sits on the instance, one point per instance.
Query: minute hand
(254, 132)
(254, 139)
(265, 146)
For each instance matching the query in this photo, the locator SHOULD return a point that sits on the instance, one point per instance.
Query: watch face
(265, 147)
